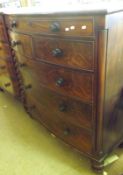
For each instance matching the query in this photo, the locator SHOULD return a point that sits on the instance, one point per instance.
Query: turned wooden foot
(121, 145)
(97, 166)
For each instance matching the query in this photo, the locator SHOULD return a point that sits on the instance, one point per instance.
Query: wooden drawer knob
(60, 82)
(15, 43)
(55, 27)
(57, 52)
(66, 132)
(14, 24)
(62, 107)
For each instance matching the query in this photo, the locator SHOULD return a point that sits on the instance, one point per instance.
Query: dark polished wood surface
(65, 81)
(4, 50)
(70, 133)
(113, 120)
(71, 110)
(70, 72)
(62, 26)
(73, 53)
(3, 36)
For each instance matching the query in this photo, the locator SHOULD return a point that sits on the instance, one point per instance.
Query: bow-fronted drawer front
(77, 54)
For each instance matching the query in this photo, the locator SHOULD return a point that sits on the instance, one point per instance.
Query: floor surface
(26, 148)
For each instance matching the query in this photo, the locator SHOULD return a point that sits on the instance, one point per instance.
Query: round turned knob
(55, 27)
(60, 82)
(14, 43)
(7, 84)
(14, 24)
(62, 107)
(66, 132)
(57, 52)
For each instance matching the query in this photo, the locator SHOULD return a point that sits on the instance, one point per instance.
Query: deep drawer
(65, 81)
(72, 110)
(63, 107)
(72, 53)
(78, 137)
(80, 26)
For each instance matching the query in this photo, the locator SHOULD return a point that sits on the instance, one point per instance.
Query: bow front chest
(71, 74)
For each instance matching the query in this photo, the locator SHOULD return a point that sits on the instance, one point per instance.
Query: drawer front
(81, 26)
(76, 54)
(4, 50)
(76, 136)
(63, 107)
(67, 82)
(21, 43)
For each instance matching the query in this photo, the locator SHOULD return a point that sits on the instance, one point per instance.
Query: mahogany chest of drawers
(71, 67)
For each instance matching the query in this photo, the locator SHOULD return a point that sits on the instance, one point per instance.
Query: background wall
(23, 3)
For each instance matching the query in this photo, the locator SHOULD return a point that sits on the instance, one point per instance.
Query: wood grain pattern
(3, 36)
(77, 54)
(71, 134)
(75, 84)
(38, 25)
(63, 107)
(113, 111)
(77, 67)
(102, 50)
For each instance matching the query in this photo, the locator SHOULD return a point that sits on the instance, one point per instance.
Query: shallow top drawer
(71, 53)
(66, 27)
